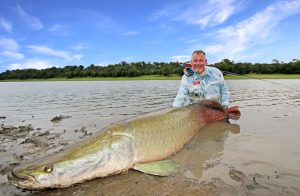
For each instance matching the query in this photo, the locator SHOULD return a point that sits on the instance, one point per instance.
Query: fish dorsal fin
(159, 168)
(208, 103)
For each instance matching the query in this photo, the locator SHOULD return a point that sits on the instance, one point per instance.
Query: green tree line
(125, 69)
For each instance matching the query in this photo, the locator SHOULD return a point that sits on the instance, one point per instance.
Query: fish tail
(233, 113)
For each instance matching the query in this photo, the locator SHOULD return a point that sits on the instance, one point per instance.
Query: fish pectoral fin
(159, 168)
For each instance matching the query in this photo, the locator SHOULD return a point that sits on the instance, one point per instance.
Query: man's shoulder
(214, 72)
(213, 69)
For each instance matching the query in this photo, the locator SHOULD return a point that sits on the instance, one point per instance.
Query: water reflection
(205, 148)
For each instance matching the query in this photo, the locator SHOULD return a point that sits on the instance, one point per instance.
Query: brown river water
(257, 155)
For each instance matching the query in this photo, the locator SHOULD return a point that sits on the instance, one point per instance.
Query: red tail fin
(233, 113)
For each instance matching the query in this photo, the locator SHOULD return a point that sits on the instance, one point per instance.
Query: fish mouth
(23, 181)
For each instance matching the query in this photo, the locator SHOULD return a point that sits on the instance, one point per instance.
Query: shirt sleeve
(225, 95)
(182, 97)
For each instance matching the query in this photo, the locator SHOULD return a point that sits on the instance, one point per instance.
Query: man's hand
(187, 69)
(233, 112)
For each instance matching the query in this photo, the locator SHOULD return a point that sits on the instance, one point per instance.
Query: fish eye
(48, 168)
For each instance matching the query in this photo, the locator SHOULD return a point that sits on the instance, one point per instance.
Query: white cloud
(192, 41)
(60, 29)
(8, 44)
(204, 14)
(9, 48)
(6, 25)
(13, 55)
(31, 63)
(77, 57)
(56, 53)
(257, 30)
(167, 11)
(209, 14)
(56, 27)
(79, 46)
(32, 21)
(129, 33)
(181, 58)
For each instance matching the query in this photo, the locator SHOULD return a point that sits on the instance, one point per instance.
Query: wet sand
(256, 155)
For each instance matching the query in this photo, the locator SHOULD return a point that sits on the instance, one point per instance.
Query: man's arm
(182, 98)
(225, 95)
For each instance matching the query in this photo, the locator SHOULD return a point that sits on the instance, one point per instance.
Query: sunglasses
(198, 52)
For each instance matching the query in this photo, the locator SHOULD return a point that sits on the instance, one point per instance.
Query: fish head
(34, 176)
(97, 157)
(58, 173)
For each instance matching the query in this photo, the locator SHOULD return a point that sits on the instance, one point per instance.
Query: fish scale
(164, 139)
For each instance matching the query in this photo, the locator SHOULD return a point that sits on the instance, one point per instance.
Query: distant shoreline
(158, 77)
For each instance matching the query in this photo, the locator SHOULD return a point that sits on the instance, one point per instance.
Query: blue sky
(45, 33)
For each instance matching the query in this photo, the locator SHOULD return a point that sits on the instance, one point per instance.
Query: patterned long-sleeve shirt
(209, 85)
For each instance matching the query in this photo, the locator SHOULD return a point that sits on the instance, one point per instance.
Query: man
(201, 82)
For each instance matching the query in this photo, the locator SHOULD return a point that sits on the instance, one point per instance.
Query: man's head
(198, 61)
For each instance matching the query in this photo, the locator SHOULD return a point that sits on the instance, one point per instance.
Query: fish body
(139, 144)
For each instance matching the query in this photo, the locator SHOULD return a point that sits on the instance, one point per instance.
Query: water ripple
(92, 101)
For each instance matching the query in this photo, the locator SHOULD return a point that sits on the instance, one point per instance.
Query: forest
(134, 69)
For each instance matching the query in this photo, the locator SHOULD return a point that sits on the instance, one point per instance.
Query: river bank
(159, 77)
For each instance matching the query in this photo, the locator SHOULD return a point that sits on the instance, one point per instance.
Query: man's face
(198, 63)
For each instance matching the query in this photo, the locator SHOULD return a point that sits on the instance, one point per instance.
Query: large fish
(143, 144)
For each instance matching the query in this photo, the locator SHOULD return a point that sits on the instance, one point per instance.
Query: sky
(45, 33)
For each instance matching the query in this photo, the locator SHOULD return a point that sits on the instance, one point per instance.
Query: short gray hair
(198, 52)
